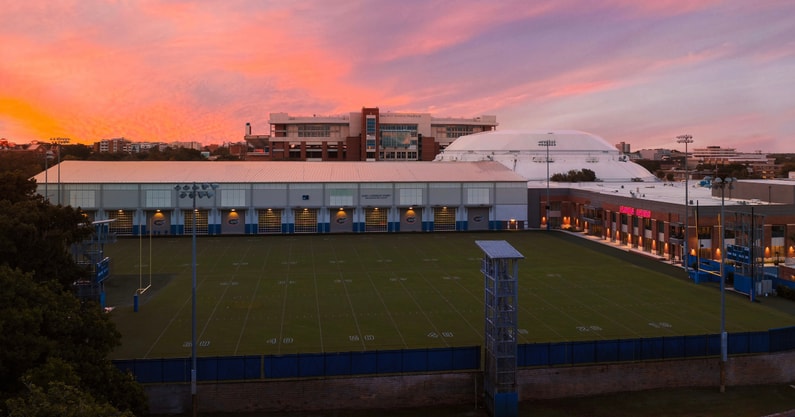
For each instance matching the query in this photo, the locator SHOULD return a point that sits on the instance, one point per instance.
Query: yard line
(317, 297)
(350, 303)
(223, 293)
(177, 313)
(253, 298)
(284, 295)
(388, 312)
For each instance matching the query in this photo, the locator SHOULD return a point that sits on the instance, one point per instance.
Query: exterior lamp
(686, 139)
(547, 143)
(723, 184)
(194, 191)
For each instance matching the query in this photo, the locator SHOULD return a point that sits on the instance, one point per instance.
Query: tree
(584, 175)
(40, 317)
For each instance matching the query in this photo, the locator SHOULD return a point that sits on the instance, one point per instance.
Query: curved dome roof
(525, 153)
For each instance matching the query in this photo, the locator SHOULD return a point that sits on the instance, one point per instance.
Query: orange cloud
(32, 119)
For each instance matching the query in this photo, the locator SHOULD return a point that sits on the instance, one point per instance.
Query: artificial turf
(279, 294)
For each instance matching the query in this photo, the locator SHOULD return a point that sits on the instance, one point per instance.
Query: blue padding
(782, 339)
(283, 366)
(506, 404)
(253, 367)
(311, 364)
(674, 347)
(713, 344)
(628, 350)
(758, 342)
(583, 352)
(207, 369)
(231, 368)
(389, 361)
(695, 346)
(364, 363)
(466, 358)
(738, 343)
(415, 360)
(338, 363)
(176, 370)
(651, 348)
(149, 371)
(440, 359)
(559, 354)
(607, 350)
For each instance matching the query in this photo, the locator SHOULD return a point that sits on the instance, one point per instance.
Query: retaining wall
(401, 391)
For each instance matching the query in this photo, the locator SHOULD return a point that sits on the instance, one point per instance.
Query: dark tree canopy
(584, 175)
(44, 328)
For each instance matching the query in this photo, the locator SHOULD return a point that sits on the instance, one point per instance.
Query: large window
(269, 221)
(314, 131)
(443, 219)
(202, 221)
(454, 132)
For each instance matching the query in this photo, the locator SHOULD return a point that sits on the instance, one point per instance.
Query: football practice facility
(283, 294)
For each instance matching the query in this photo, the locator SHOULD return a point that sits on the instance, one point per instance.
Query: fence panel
(281, 366)
(695, 346)
(559, 354)
(535, 354)
(177, 369)
(440, 359)
(606, 350)
(673, 347)
(207, 369)
(311, 364)
(583, 352)
(758, 342)
(338, 363)
(782, 339)
(363, 363)
(414, 360)
(389, 361)
(651, 348)
(737, 343)
(628, 350)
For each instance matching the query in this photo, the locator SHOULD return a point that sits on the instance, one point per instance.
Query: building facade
(368, 135)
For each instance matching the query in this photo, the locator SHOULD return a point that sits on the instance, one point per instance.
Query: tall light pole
(686, 139)
(47, 157)
(194, 191)
(547, 143)
(59, 142)
(723, 184)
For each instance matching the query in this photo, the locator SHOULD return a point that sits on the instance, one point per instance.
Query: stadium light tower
(59, 142)
(686, 139)
(194, 191)
(47, 158)
(722, 184)
(547, 143)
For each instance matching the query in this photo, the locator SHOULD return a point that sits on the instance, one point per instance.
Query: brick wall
(385, 392)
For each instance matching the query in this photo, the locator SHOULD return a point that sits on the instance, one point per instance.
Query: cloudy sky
(640, 72)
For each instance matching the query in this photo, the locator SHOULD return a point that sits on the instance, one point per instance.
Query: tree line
(54, 347)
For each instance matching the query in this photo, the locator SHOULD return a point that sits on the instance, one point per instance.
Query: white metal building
(292, 197)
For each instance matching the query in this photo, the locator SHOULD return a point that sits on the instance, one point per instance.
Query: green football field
(279, 294)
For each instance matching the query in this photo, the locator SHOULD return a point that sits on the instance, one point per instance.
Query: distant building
(113, 145)
(368, 135)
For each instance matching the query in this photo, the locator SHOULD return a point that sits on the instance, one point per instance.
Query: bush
(785, 292)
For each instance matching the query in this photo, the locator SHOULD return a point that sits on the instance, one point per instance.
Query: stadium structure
(492, 180)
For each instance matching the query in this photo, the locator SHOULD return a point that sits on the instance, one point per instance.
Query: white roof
(153, 172)
(524, 152)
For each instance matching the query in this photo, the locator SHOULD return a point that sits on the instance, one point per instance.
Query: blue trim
(394, 226)
(461, 226)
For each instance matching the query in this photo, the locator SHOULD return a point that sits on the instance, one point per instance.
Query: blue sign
(103, 269)
(738, 253)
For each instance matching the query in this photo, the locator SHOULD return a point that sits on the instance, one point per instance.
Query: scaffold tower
(500, 269)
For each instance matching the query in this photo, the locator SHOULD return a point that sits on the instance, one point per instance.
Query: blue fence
(303, 365)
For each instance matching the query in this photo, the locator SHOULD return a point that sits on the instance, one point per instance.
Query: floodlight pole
(547, 143)
(59, 142)
(193, 191)
(722, 184)
(686, 139)
(47, 157)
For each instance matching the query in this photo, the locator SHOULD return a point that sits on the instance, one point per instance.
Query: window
(314, 131)
(233, 198)
(410, 197)
(82, 198)
(453, 132)
(158, 198)
(477, 196)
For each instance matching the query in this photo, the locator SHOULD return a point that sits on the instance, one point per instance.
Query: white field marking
(523, 331)
(384, 260)
(454, 278)
(589, 328)
(228, 283)
(447, 334)
(660, 324)
(201, 343)
(395, 279)
(239, 263)
(340, 281)
(286, 282)
(433, 335)
(369, 337)
(336, 261)
(430, 260)
(354, 338)
(289, 262)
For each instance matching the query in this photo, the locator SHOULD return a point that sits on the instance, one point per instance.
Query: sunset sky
(640, 72)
